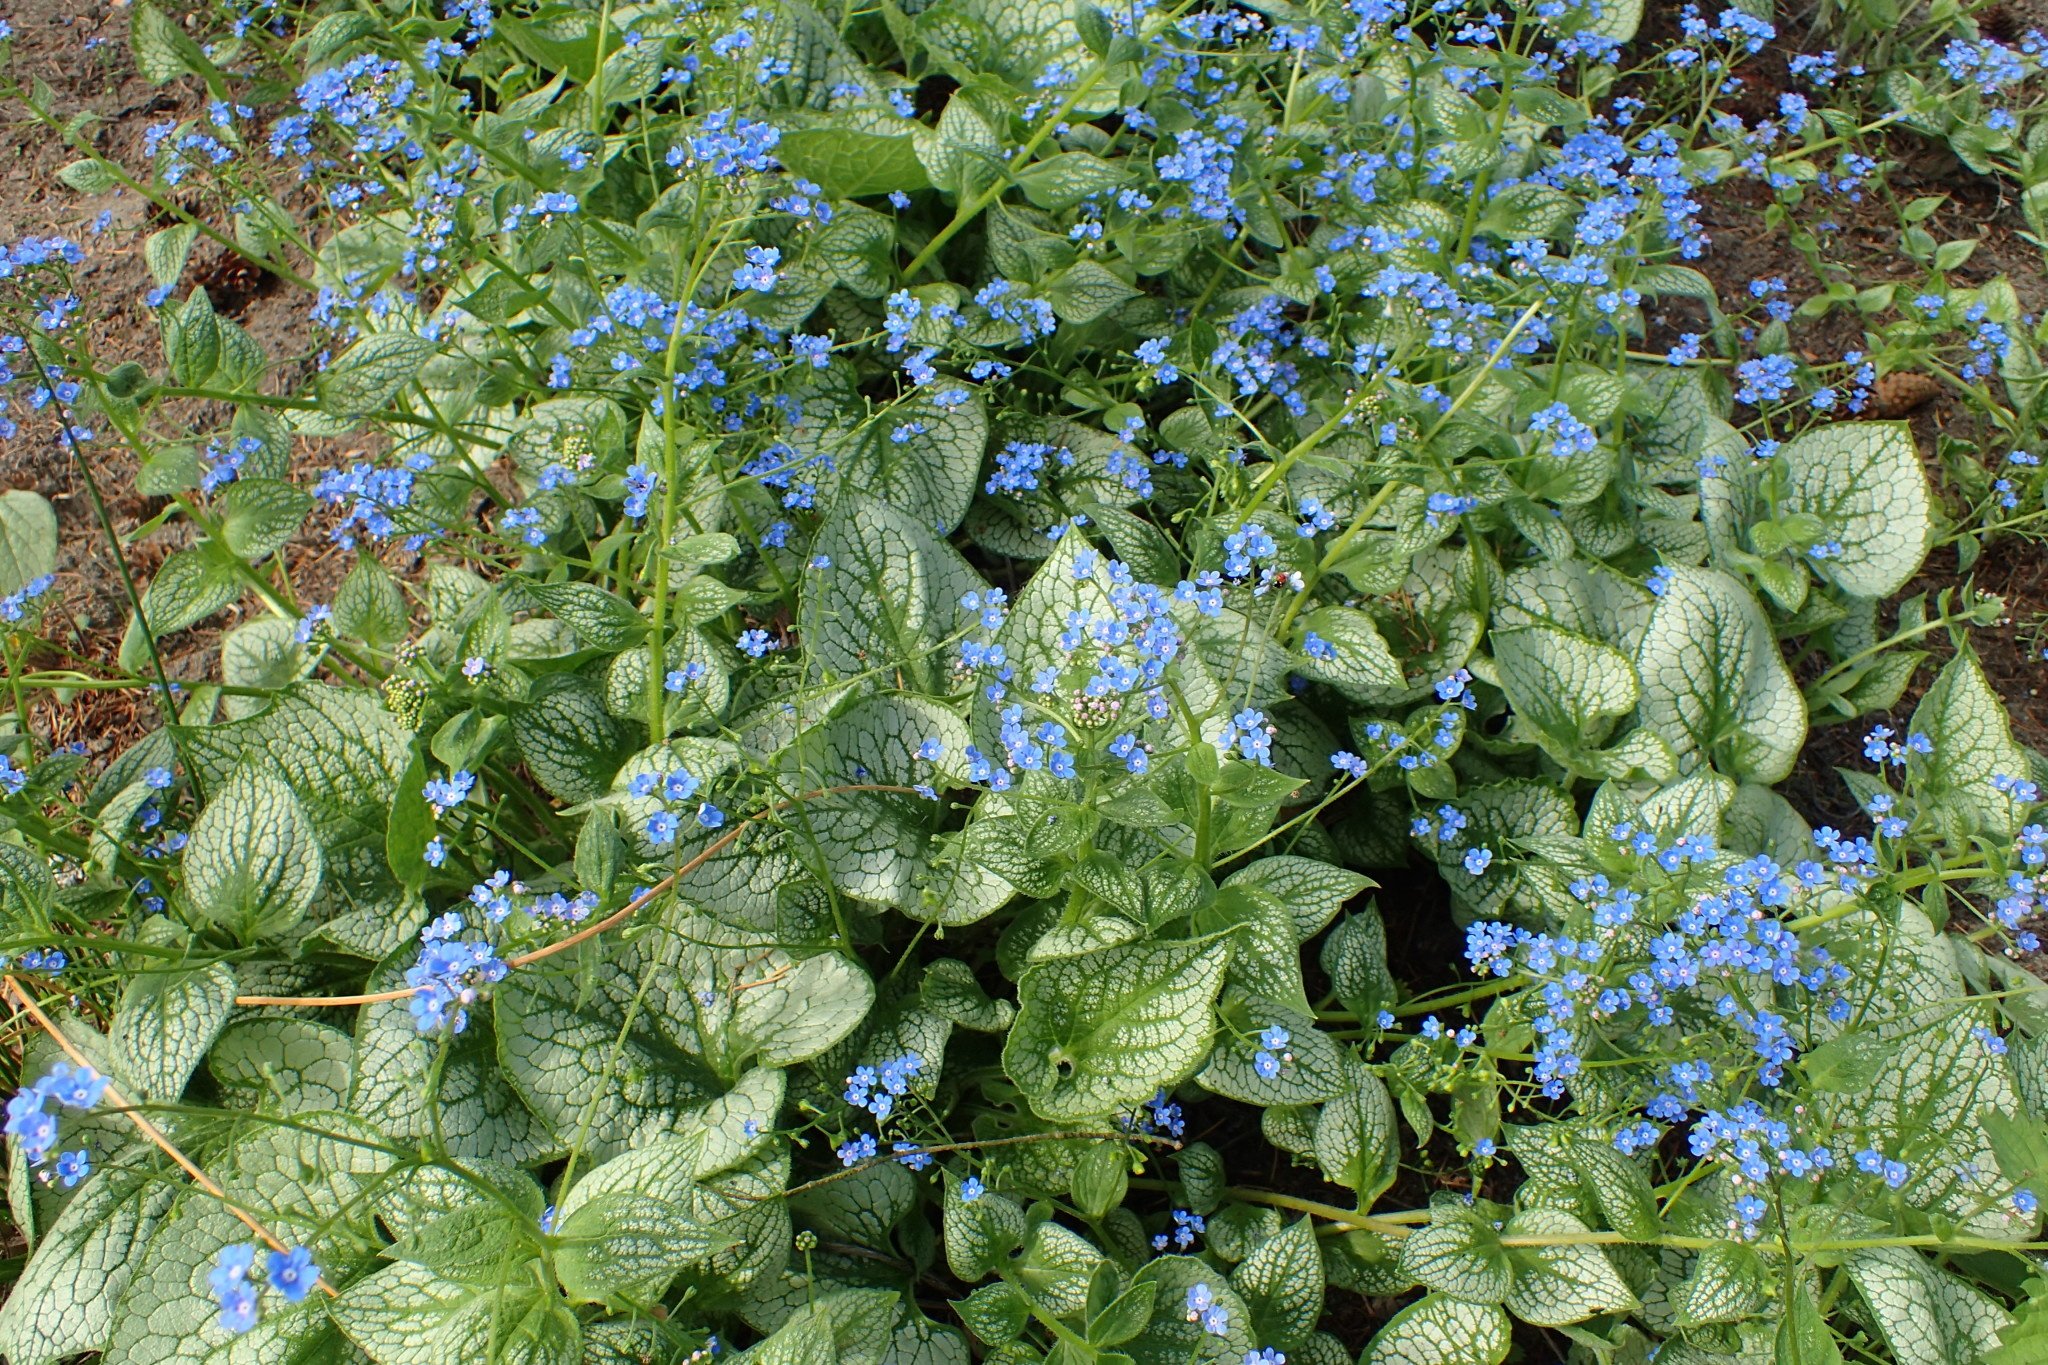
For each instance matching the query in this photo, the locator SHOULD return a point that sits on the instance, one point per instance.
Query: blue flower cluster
(1187, 1225)
(1272, 1055)
(1723, 946)
(373, 496)
(1202, 1308)
(16, 605)
(445, 792)
(450, 976)
(679, 788)
(34, 1128)
(877, 1089)
(1020, 463)
(291, 1273)
(1159, 1115)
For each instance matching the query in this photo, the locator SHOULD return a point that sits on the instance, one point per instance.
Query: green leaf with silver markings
(253, 864)
(1714, 683)
(1440, 1330)
(1281, 1284)
(1101, 1032)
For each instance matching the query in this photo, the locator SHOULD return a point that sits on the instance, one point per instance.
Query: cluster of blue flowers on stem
(678, 788)
(876, 1089)
(291, 1273)
(34, 1128)
(451, 975)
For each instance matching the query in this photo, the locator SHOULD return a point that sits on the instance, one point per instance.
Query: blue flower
(72, 1167)
(1765, 379)
(1568, 435)
(293, 1274)
(640, 485)
(1020, 463)
(1203, 1308)
(1442, 505)
(452, 790)
(1251, 735)
(449, 977)
(29, 1121)
(971, 1189)
(1186, 1225)
(229, 1281)
(310, 623)
(758, 274)
(1153, 353)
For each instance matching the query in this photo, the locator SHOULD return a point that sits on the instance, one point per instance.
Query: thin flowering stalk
(1486, 371)
(280, 604)
(117, 1102)
(1899, 638)
(970, 209)
(671, 481)
(1065, 1335)
(170, 207)
(1404, 1223)
(1277, 471)
(942, 1148)
(461, 438)
(1334, 553)
(167, 697)
(590, 931)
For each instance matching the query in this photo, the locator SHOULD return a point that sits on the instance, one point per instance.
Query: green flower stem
(1064, 1333)
(65, 682)
(988, 1144)
(970, 209)
(1335, 553)
(1277, 471)
(1901, 637)
(609, 922)
(1478, 380)
(14, 686)
(1403, 1223)
(114, 1100)
(1427, 1003)
(657, 647)
(168, 698)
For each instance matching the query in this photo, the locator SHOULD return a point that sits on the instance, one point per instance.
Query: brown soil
(82, 52)
(1859, 243)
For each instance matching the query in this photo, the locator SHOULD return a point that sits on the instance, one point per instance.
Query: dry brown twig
(122, 1105)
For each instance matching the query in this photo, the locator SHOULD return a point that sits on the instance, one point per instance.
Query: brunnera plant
(913, 566)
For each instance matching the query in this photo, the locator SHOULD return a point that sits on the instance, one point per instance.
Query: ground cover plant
(859, 654)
